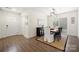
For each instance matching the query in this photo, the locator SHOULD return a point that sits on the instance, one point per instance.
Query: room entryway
(9, 24)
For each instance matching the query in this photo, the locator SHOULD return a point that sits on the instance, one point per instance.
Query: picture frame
(72, 20)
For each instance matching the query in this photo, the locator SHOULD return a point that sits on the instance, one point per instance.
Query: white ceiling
(44, 9)
(64, 9)
(47, 9)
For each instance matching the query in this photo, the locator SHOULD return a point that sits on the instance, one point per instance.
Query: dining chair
(57, 34)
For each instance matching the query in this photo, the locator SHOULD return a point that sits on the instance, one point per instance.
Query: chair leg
(54, 38)
(58, 37)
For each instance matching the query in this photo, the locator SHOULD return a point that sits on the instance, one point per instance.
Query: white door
(9, 24)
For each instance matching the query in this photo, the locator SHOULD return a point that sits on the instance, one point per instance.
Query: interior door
(8, 24)
(11, 24)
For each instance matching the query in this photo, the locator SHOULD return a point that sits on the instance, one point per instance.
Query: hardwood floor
(21, 44)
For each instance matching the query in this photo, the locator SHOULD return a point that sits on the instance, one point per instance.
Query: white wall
(24, 26)
(32, 25)
(28, 25)
(78, 22)
(29, 30)
(72, 29)
(41, 19)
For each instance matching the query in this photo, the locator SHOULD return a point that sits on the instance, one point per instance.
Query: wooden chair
(57, 34)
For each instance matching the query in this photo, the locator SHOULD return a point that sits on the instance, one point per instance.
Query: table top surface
(53, 30)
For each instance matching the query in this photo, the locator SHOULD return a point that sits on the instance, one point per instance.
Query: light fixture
(52, 12)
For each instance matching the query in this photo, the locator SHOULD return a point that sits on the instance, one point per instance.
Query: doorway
(9, 24)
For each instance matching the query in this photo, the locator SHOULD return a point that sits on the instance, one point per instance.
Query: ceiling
(47, 9)
(42, 9)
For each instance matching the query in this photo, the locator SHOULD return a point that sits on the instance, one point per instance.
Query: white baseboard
(29, 36)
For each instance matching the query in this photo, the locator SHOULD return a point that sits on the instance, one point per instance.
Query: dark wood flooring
(21, 44)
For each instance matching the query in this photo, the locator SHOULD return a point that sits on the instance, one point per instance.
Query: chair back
(60, 29)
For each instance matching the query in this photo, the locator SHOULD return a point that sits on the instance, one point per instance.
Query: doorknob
(6, 25)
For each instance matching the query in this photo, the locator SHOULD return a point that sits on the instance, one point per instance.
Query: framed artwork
(72, 20)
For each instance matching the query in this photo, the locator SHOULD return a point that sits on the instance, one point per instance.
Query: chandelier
(52, 12)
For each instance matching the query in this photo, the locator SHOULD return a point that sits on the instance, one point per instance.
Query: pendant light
(52, 12)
